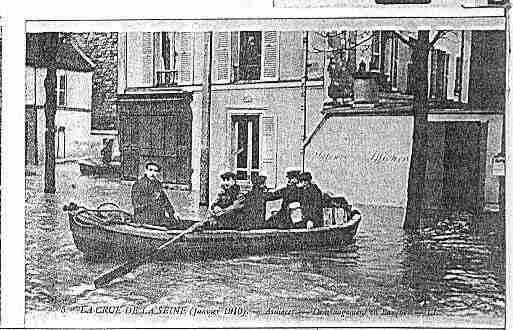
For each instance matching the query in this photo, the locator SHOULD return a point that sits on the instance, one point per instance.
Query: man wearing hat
(288, 194)
(227, 204)
(150, 202)
(311, 201)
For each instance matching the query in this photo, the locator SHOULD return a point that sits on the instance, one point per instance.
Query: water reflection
(447, 270)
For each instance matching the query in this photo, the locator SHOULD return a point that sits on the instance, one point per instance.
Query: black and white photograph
(283, 171)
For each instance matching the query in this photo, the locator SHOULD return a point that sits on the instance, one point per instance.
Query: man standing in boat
(253, 212)
(150, 202)
(290, 194)
(311, 202)
(228, 203)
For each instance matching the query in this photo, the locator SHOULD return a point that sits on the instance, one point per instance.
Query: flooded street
(448, 271)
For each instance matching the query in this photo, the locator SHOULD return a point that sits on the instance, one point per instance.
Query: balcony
(166, 78)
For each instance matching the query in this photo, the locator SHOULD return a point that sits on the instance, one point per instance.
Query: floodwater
(446, 273)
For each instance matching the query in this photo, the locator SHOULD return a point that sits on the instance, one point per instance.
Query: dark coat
(288, 194)
(312, 205)
(253, 212)
(224, 199)
(150, 202)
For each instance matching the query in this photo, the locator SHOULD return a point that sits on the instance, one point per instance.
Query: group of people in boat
(301, 206)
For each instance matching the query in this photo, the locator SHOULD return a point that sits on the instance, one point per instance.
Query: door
(462, 175)
(61, 142)
(129, 145)
(166, 139)
(246, 142)
(158, 128)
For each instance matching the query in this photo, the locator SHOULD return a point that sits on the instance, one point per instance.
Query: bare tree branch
(404, 39)
(437, 37)
(343, 48)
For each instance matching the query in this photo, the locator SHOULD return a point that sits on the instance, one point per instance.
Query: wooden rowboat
(98, 236)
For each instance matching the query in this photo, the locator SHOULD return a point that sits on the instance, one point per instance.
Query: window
(253, 145)
(159, 59)
(246, 135)
(174, 58)
(439, 74)
(376, 51)
(250, 55)
(246, 56)
(61, 90)
(394, 61)
(458, 77)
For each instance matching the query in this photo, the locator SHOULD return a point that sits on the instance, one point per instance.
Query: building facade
(257, 120)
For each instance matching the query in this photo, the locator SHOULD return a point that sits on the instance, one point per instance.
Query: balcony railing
(166, 78)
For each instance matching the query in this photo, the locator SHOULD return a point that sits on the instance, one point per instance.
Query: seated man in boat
(311, 202)
(290, 194)
(253, 212)
(228, 203)
(151, 203)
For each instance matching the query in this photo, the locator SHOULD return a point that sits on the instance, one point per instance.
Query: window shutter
(185, 59)
(222, 57)
(269, 149)
(147, 58)
(270, 58)
(432, 78)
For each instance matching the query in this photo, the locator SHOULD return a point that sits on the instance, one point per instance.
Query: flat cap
(226, 174)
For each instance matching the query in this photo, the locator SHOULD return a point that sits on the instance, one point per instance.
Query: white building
(73, 117)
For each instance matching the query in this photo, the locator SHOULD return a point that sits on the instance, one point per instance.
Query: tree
(420, 49)
(50, 47)
(417, 173)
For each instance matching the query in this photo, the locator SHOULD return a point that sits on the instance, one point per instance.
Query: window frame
(262, 112)
(239, 52)
(376, 51)
(248, 169)
(62, 90)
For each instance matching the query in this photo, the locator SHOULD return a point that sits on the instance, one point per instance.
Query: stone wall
(102, 49)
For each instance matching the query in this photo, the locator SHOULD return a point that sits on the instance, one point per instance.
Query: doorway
(464, 165)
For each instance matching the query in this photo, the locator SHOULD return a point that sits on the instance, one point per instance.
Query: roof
(69, 56)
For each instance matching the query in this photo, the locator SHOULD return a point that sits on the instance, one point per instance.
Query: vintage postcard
(289, 171)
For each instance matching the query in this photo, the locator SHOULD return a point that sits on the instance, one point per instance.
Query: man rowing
(228, 203)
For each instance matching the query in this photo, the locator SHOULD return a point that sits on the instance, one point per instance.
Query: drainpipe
(205, 121)
(462, 56)
(303, 93)
(506, 115)
(36, 147)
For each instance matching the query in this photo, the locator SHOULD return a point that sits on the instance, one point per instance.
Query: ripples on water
(445, 270)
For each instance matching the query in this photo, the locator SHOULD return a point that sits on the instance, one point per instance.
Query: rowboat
(96, 167)
(101, 234)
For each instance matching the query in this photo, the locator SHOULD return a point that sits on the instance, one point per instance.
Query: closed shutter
(235, 55)
(222, 57)
(185, 42)
(147, 58)
(432, 78)
(268, 129)
(270, 58)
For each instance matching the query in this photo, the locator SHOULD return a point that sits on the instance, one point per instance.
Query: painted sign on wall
(365, 159)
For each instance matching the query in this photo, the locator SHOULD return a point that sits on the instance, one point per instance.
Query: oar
(130, 265)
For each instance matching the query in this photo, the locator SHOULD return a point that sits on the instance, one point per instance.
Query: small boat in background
(107, 165)
(97, 167)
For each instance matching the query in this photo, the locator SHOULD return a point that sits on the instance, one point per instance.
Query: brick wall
(102, 49)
